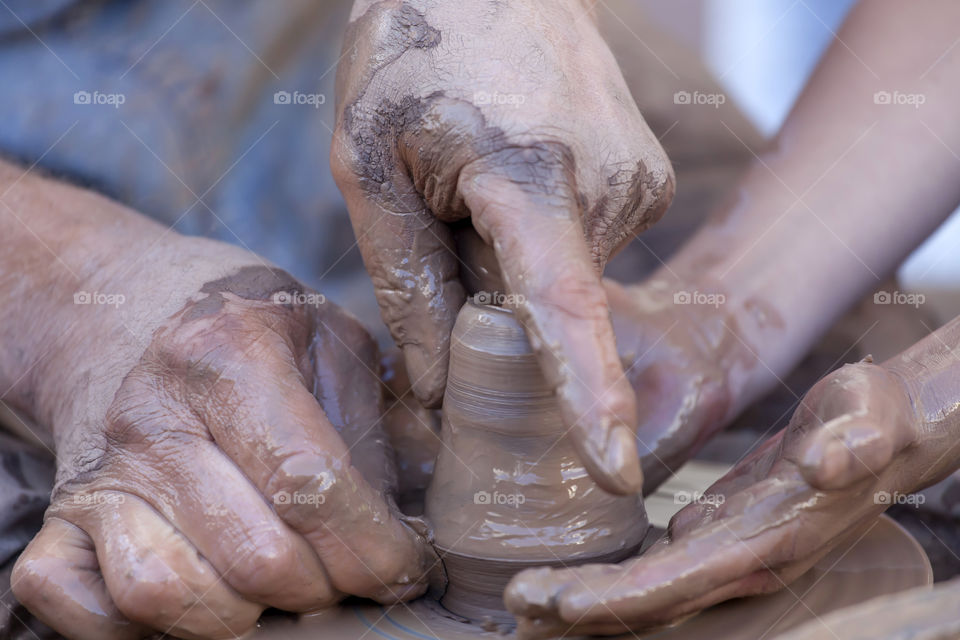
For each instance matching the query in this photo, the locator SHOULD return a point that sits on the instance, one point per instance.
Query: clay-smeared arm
(216, 426)
(862, 438)
(863, 170)
(512, 118)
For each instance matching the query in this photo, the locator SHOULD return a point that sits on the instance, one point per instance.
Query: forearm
(850, 189)
(56, 240)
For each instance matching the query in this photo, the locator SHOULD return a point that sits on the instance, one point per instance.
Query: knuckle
(303, 486)
(201, 345)
(140, 418)
(641, 194)
(264, 565)
(545, 167)
(151, 596)
(29, 583)
(636, 198)
(127, 428)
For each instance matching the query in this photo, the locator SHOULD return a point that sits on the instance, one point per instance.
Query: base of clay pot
(476, 585)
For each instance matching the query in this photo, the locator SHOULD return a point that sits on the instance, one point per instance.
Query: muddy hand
(513, 117)
(219, 453)
(678, 358)
(851, 445)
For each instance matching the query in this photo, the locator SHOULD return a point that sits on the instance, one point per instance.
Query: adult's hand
(513, 117)
(855, 441)
(216, 427)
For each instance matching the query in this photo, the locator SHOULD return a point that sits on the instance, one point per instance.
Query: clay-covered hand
(513, 120)
(821, 482)
(678, 358)
(219, 452)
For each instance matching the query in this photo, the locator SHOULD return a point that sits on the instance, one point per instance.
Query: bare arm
(851, 187)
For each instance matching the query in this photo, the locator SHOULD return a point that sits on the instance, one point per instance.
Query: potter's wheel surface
(886, 560)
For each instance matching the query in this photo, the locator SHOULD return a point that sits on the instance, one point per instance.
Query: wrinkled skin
(805, 491)
(678, 360)
(175, 507)
(513, 120)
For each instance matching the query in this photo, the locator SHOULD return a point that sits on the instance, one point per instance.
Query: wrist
(58, 241)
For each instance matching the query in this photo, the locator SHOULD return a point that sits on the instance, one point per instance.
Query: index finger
(535, 229)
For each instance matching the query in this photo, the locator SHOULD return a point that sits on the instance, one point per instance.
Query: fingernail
(621, 460)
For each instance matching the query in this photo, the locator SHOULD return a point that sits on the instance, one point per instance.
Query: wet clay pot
(509, 492)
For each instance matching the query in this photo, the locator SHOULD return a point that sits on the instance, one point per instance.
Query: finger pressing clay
(509, 491)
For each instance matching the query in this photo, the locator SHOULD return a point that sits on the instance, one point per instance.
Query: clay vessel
(509, 492)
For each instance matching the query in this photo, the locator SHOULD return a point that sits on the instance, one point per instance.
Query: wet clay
(509, 492)
(885, 561)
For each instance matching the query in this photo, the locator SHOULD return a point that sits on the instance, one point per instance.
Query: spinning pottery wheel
(508, 492)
